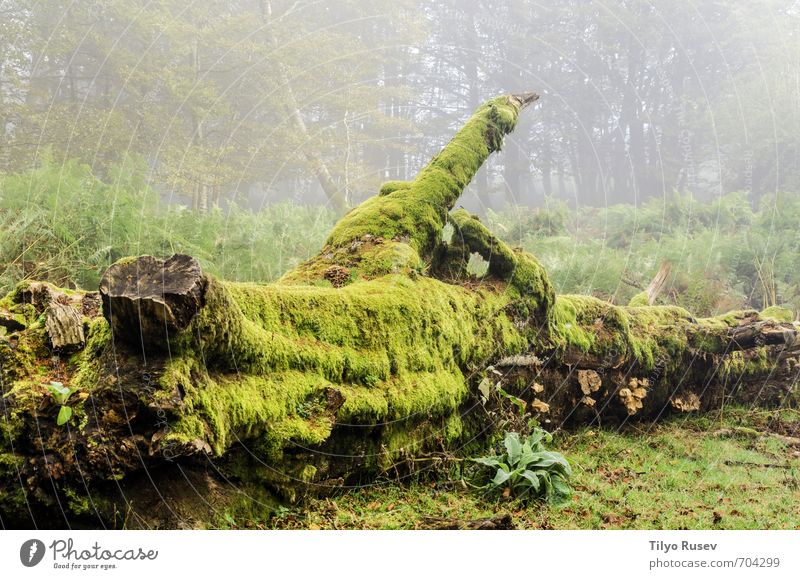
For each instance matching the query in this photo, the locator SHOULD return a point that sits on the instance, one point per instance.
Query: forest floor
(729, 470)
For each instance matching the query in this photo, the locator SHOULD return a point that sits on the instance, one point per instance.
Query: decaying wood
(382, 348)
(147, 300)
(511, 361)
(63, 314)
(653, 290)
(762, 333)
(64, 326)
(498, 523)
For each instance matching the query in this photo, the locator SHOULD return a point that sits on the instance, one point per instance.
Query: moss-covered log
(413, 331)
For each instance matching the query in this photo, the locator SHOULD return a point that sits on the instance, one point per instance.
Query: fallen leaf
(540, 406)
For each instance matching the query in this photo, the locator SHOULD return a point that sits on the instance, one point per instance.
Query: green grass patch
(684, 473)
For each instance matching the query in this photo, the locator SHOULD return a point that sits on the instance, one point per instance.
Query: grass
(680, 474)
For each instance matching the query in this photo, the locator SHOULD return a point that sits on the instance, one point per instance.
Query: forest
(399, 265)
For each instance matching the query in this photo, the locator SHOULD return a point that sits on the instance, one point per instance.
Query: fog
(321, 101)
(366, 264)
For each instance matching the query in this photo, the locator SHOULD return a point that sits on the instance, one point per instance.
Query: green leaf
(476, 265)
(548, 483)
(513, 447)
(59, 392)
(447, 233)
(535, 439)
(515, 475)
(526, 448)
(526, 458)
(487, 461)
(64, 415)
(519, 403)
(57, 387)
(533, 478)
(528, 469)
(561, 491)
(546, 459)
(484, 388)
(501, 477)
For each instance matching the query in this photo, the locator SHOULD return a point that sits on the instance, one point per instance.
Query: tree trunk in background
(514, 169)
(546, 167)
(392, 158)
(472, 72)
(336, 195)
(585, 164)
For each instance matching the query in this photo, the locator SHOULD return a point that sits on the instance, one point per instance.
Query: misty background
(238, 131)
(638, 98)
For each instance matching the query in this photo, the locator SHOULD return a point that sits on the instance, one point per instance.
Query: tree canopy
(319, 101)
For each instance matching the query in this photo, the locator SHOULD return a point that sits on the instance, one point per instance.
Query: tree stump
(148, 300)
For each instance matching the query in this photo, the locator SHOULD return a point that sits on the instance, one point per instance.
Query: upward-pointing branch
(444, 179)
(408, 216)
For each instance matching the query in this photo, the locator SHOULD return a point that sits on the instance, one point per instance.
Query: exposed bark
(383, 347)
(148, 299)
(653, 290)
(64, 326)
(649, 294)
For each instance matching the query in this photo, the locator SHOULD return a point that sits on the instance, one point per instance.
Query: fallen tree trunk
(194, 396)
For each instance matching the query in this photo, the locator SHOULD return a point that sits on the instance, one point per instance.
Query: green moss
(569, 331)
(530, 290)
(127, 260)
(639, 334)
(30, 348)
(362, 403)
(731, 319)
(392, 186)
(389, 257)
(10, 465)
(778, 313)
(78, 503)
(415, 212)
(640, 299)
(259, 361)
(438, 393)
(651, 335)
(13, 500)
(740, 364)
(531, 287)
(87, 362)
(593, 326)
(241, 407)
(476, 237)
(14, 297)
